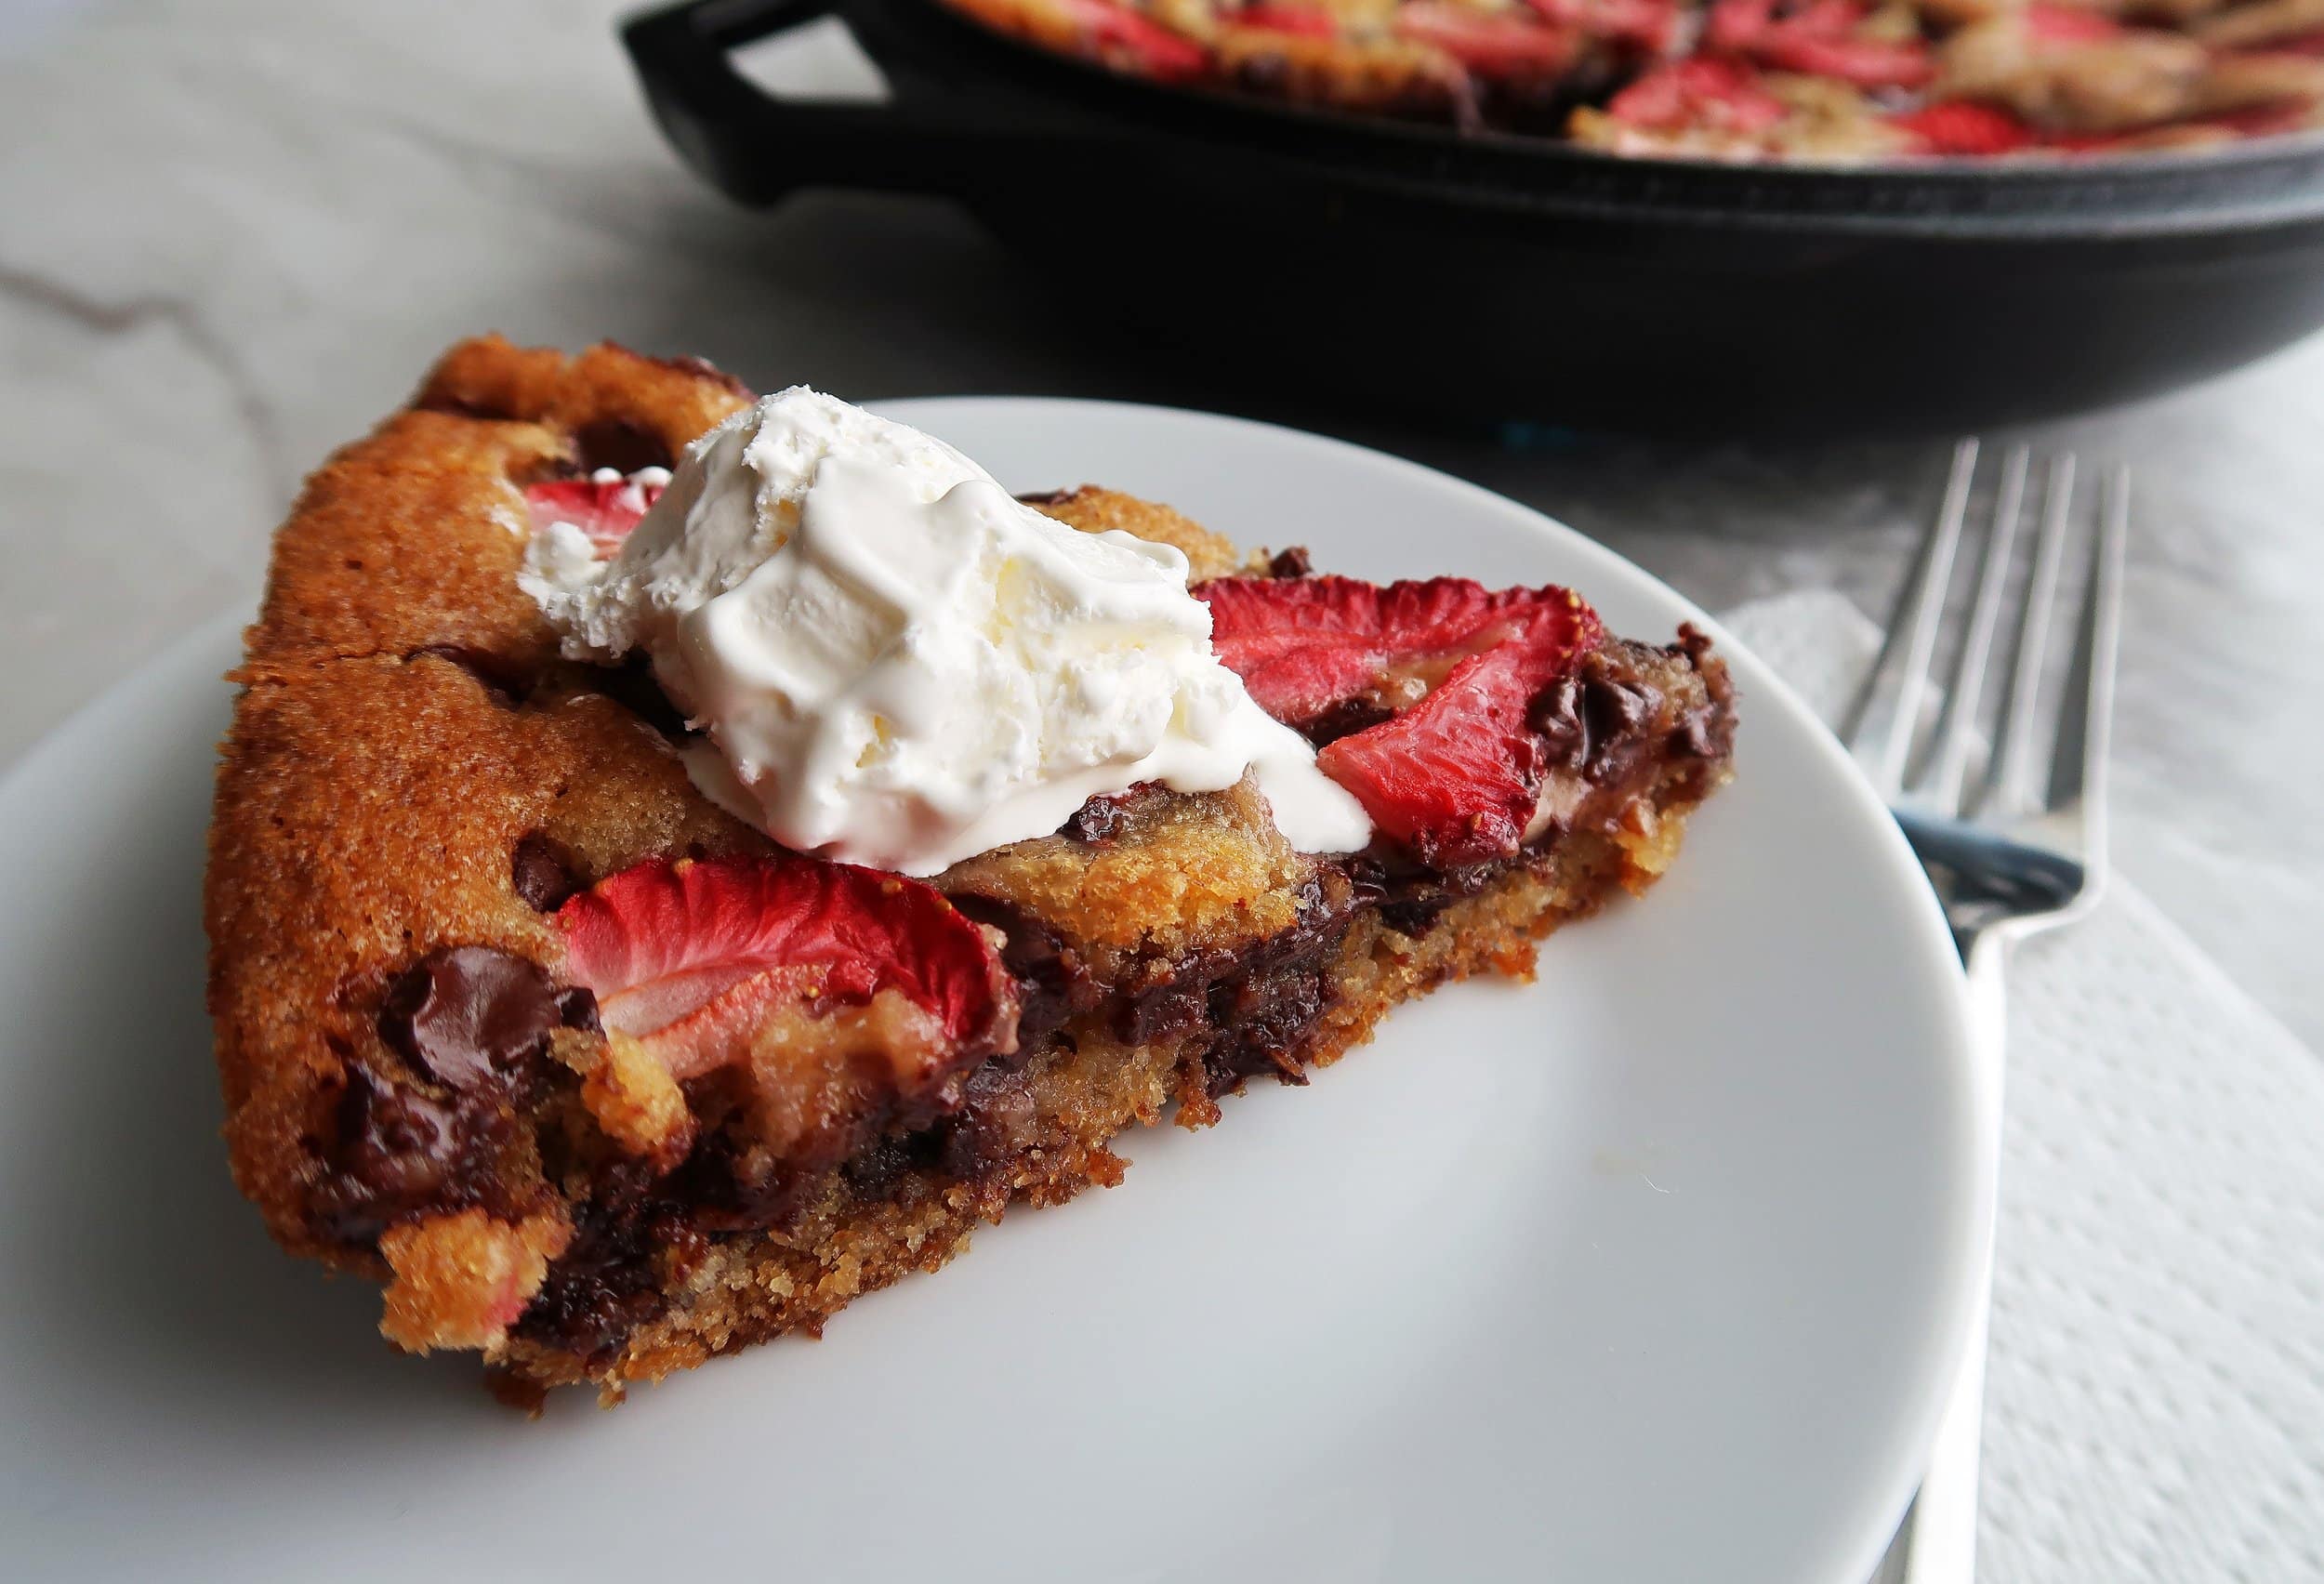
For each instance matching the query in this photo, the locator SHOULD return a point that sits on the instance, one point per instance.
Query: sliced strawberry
(1454, 769)
(1650, 24)
(694, 959)
(1138, 40)
(1303, 645)
(604, 508)
(1503, 47)
(1820, 38)
(1456, 776)
(1702, 92)
(1964, 127)
(2068, 24)
(1306, 21)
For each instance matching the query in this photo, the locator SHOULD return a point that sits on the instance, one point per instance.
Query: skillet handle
(758, 149)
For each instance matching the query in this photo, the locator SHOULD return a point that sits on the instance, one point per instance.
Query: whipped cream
(898, 664)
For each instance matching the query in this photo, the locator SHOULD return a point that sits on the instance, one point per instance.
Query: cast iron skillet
(1504, 277)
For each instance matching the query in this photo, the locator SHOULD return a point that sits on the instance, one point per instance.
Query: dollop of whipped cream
(901, 665)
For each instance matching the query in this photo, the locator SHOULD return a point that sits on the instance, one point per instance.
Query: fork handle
(1943, 1545)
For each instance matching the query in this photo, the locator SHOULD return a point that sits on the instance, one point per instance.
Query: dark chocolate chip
(1345, 720)
(1100, 819)
(541, 870)
(399, 1150)
(1291, 562)
(576, 1008)
(995, 1124)
(620, 444)
(462, 1013)
(1693, 736)
(628, 1239)
(1053, 984)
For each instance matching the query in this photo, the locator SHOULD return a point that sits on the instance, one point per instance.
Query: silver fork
(2014, 847)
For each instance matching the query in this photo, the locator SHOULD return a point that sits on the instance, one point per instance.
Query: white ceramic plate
(1650, 1271)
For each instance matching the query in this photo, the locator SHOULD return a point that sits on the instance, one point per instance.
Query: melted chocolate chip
(628, 1241)
(995, 1124)
(620, 444)
(1292, 562)
(576, 1009)
(400, 1150)
(1100, 819)
(1593, 723)
(1052, 982)
(463, 1015)
(1696, 735)
(1345, 720)
(1256, 1005)
(541, 871)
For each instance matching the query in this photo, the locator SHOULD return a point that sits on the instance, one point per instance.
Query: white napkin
(2155, 1395)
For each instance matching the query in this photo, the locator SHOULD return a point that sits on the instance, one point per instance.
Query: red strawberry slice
(1305, 21)
(1650, 24)
(694, 959)
(1705, 93)
(2068, 24)
(1303, 645)
(1138, 40)
(1818, 39)
(1963, 127)
(1507, 49)
(1453, 775)
(606, 509)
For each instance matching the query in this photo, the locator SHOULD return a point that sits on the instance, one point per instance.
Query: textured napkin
(2154, 1394)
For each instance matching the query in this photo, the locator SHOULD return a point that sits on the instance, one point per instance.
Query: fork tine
(1912, 632)
(2012, 781)
(2088, 719)
(1957, 728)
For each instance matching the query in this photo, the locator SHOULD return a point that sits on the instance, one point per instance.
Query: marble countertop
(238, 229)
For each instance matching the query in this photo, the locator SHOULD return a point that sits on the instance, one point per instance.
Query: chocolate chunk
(400, 1151)
(609, 1281)
(541, 872)
(576, 1009)
(1052, 982)
(620, 444)
(1290, 562)
(1345, 720)
(1556, 715)
(464, 1014)
(1100, 819)
(1593, 723)
(994, 1125)
(1696, 735)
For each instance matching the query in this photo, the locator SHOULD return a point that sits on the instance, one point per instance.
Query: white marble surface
(236, 231)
